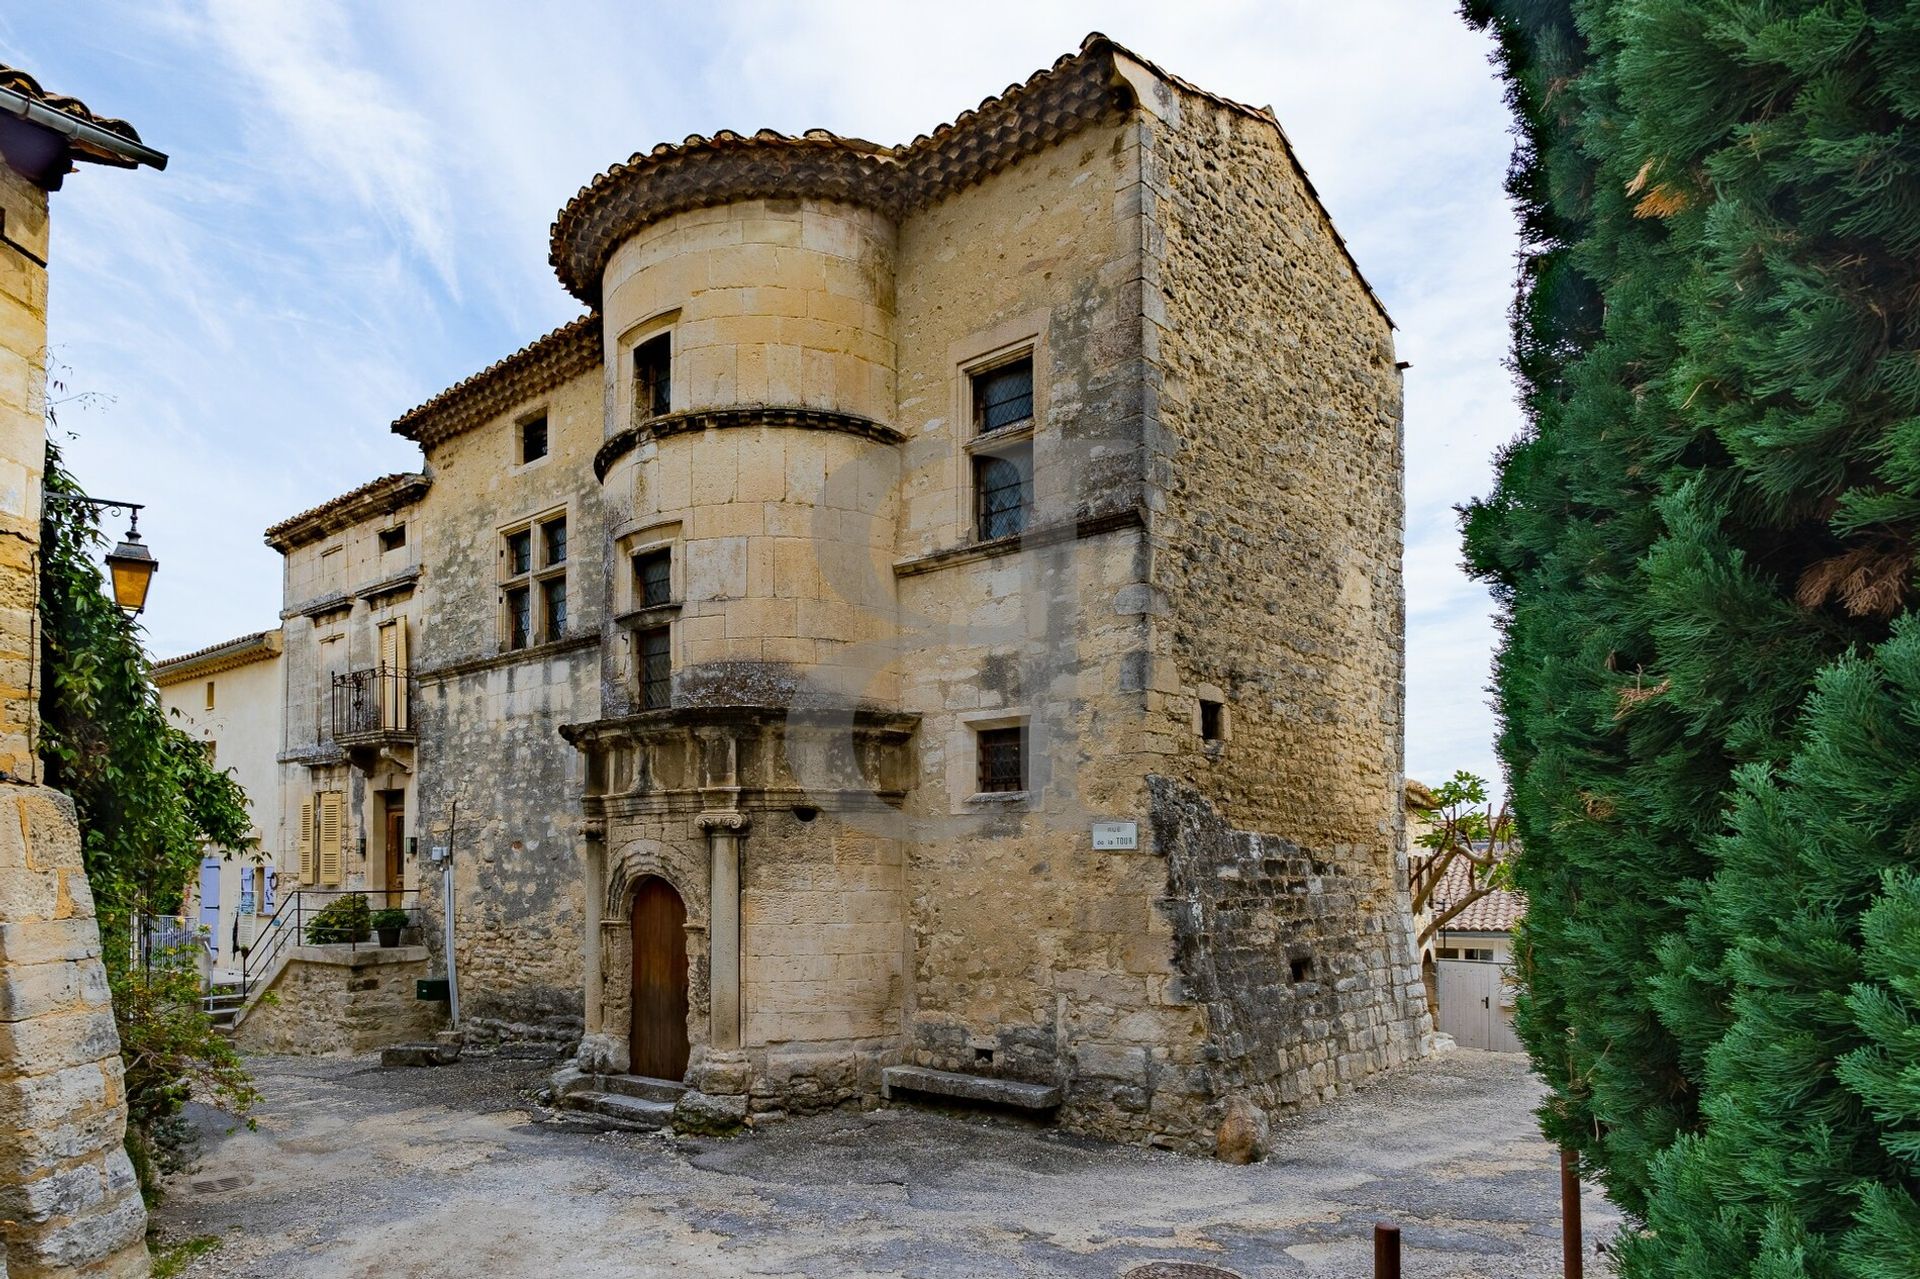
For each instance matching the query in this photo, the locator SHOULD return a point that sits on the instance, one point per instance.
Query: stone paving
(424, 1174)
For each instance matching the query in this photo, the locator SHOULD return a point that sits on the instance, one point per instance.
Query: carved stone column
(724, 829)
(593, 833)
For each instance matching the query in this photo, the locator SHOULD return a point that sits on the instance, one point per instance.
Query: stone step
(616, 1110)
(641, 1086)
(980, 1088)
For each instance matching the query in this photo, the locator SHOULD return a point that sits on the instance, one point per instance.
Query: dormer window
(653, 377)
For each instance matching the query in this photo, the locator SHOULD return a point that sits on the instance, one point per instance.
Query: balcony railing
(373, 706)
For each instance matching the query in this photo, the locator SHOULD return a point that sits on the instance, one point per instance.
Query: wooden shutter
(330, 832)
(305, 842)
(401, 684)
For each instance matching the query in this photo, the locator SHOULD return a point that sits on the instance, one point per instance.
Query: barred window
(1003, 396)
(1003, 492)
(520, 552)
(656, 668)
(1003, 759)
(519, 617)
(653, 578)
(653, 377)
(533, 439)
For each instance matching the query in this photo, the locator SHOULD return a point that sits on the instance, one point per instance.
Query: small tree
(1466, 828)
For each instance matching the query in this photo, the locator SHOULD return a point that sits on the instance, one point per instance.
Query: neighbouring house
(229, 698)
(69, 1202)
(1473, 963)
(932, 625)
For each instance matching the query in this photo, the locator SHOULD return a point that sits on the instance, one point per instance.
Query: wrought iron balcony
(373, 707)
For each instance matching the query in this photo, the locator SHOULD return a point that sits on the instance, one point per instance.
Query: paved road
(417, 1174)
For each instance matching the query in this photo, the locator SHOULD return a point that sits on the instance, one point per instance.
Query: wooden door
(659, 1035)
(396, 850)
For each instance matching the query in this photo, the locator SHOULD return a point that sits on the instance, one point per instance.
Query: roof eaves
(93, 137)
(376, 497)
(539, 366)
(258, 647)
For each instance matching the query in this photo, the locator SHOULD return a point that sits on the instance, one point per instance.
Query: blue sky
(356, 211)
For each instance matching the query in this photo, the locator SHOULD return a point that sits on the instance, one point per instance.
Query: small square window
(553, 539)
(653, 578)
(1003, 396)
(1301, 968)
(519, 617)
(533, 439)
(1212, 720)
(653, 377)
(656, 668)
(520, 552)
(392, 539)
(1003, 759)
(1003, 492)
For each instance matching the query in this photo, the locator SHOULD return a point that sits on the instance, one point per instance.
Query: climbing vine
(149, 802)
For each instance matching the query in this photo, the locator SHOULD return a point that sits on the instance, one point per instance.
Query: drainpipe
(446, 900)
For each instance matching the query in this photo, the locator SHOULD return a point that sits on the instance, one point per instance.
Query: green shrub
(341, 920)
(390, 918)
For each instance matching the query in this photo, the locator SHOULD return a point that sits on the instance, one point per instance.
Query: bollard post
(1386, 1251)
(1571, 1263)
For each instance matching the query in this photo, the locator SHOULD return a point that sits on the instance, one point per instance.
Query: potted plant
(388, 924)
(344, 919)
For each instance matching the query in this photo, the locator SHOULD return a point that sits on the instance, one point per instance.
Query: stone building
(69, 1204)
(933, 623)
(228, 696)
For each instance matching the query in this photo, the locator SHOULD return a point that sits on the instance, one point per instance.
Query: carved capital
(593, 828)
(723, 821)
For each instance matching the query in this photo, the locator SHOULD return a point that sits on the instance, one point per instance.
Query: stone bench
(980, 1088)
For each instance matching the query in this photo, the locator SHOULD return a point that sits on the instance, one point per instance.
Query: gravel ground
(424, 1174)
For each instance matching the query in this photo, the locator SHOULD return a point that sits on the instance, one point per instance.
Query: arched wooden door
(659, 1033)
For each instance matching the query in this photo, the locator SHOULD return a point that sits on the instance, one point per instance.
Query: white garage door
(1476, 1005)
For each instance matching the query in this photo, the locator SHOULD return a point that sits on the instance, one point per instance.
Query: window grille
(653, 575)
(1003, 493)
(1003, 397)
(656, 668)
(1003, 763)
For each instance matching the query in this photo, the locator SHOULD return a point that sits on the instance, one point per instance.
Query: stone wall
(23, 427)
(1280, 555)
(69, 1202)
(489, 719)
(334, 1000)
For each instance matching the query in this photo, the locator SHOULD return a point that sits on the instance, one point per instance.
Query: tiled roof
(1497, 912)
(257, 647)
(87, 144)
(540, 365)
(1025, 118)
(1049, 105)
(376, 497)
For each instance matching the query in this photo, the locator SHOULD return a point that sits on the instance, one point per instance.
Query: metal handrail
(298, 910)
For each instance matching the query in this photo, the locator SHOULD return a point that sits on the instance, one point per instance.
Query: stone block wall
(1280, 557)
(69, 1202)
(23, 385)
(331, 1000)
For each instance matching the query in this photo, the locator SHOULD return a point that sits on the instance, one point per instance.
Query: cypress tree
(1703, 552)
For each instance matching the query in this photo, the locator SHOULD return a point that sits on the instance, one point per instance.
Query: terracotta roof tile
(257, 647)
(1497, 912)
(24, 84)
(373, 497)
(540, 365)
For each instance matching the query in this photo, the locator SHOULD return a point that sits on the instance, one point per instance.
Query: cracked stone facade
(1198, 631)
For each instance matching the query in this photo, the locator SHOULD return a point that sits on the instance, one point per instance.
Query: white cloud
(357, 213)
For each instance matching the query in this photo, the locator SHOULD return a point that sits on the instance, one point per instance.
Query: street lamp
(130, 564)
